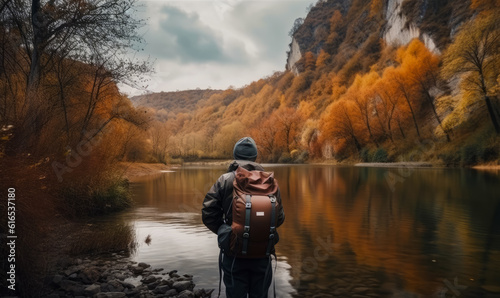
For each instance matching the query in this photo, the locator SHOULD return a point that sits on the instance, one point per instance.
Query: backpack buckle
(248, 205)
(246, 235)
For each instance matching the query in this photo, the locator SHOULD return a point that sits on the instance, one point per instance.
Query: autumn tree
(322, 60)
(96, 32)
(279, 133)
(362, 94)
(475, 55)
(386, 102)
(406, 93)
(289, 123)
(135, 145)
(421, 67)
(265, 136)
(333, 38)
(160, 140)
(309, 61)
(296, 25)
(227, 136)
(338, 123)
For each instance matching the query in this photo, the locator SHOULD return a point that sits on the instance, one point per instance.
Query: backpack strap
(230, 208)
(220, 271)
(272, 230)
(246, 230)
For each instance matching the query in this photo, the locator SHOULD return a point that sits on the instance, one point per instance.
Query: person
(242, 276)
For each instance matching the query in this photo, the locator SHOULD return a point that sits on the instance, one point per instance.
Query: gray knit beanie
(245, 149)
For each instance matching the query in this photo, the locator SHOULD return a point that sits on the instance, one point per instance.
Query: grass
(106, 238)
(97, 197)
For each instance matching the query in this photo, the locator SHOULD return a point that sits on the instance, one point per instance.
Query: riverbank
(395, 164)
(114, 276)
(57, 250)
(134, 170)
(490, 168)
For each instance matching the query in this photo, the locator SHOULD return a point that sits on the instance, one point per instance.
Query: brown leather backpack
(255, 212)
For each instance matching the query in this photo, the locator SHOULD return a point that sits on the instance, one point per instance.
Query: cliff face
(399, 31)
(437, 19)
(293, 57)
(344, 26)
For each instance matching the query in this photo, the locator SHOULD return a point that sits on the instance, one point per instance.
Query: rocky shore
(116, 277)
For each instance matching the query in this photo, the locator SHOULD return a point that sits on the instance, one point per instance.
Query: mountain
(373, 80)
(344, 27)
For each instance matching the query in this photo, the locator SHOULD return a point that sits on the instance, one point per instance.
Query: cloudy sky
(215, 44)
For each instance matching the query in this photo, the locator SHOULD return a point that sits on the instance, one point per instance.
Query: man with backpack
(244, 209)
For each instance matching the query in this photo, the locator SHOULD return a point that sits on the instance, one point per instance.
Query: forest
(353, 97)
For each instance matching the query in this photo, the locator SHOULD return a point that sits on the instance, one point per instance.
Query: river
(370, 232)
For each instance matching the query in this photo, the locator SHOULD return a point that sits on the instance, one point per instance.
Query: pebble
(117, 279)
(92, 289)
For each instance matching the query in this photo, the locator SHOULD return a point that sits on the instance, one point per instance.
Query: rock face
(120, 278)
(293, 57)
(342, 27)
(397, 31)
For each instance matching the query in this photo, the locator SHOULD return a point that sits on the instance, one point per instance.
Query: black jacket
(217, 203)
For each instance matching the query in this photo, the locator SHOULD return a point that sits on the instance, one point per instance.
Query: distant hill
(173, 103)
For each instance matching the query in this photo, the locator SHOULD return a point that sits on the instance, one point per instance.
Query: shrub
(302, 157)
(105, 238)
(285, 158)
(380, 155)
(365, 155)
(97, 198)
(294, 154)
(176, 160)
(471, 154)
(449, 158)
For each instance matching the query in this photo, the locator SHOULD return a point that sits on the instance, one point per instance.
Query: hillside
(372, 80)
(169, 104)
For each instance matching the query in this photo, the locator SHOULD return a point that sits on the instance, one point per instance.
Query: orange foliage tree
(406, 94)
(279, 134)
(386, 104)
(421, 67)
(362, 94)
(337, 124)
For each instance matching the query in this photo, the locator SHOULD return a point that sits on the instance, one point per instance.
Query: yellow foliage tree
(309, 61)
(323, 58)
(475, 54)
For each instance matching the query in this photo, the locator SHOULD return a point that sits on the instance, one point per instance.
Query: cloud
(182, 36)
(267, 28)
(216, 43)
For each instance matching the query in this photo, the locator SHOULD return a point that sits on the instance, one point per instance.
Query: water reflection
(347, 231)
